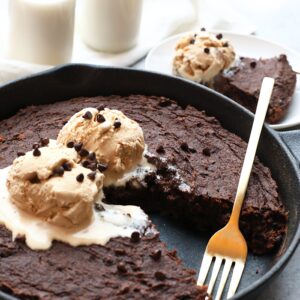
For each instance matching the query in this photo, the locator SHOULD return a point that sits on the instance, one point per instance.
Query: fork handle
(260, 114)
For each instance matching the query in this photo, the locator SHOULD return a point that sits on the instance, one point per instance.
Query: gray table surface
(281, 24)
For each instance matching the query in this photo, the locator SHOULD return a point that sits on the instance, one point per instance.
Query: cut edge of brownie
(242, 83)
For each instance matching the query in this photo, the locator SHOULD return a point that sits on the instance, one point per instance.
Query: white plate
(160, 58)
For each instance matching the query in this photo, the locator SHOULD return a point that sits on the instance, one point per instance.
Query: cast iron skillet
(82, 80)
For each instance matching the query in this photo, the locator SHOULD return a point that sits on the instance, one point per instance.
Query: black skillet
(81, 80)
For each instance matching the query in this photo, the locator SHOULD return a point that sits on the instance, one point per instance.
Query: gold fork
(228, 244)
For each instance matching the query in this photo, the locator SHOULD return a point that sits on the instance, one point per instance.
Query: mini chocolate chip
(121, 267)
(87, 115)
(225, 44)
(36, 152)
(44, 141)
(135, 237)
(206, 50)
(203, 29)
(242, 57)
(253, 64)
(164, 102)
(67, 166)
(83, 152)
(102, 167)
(99, 207)
(101, 107)
(78, 146)
(219, 36)
(92, 166)
(34, 180)
(92, 156)
(117, 124)
(85, 164)
(35, 145)
(59, 171)
(91, 176)
(19, 153)
(192, 41)
(206, 151)
(80, 177)
(100, 118)
(160, 275)
(160, 149)
(156, 254)
(184, 146)
(70, 144)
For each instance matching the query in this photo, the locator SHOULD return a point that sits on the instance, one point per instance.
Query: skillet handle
(292, 141)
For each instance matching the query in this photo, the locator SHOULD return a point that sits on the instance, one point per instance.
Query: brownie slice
(198, 164)
(242, 83)
(122, 269)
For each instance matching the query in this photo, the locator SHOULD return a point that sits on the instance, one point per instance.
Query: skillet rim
(285, 257)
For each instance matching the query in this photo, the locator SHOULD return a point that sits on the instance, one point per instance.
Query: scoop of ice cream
(116, 140)
(201, 56)
(50, 184)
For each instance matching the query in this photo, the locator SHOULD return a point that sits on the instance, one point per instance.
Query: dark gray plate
(82, 80)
